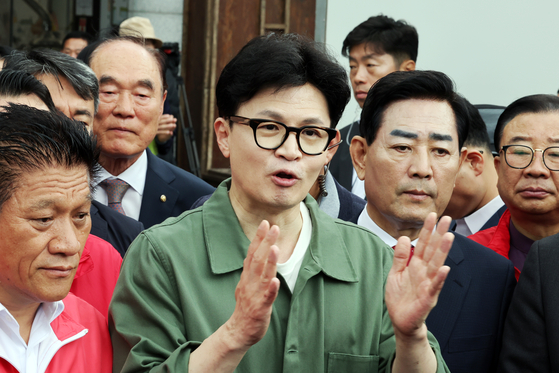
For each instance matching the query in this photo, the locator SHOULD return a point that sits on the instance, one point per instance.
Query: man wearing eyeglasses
(527, 137)
(258, 279)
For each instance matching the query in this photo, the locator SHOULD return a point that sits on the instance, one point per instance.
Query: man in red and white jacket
(46, 166)
(527, 137)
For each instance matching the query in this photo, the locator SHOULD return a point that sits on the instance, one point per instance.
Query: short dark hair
(385, 35)
(159, 57)
(406, 85)
(477, 133)
(530, 104)
(77, 35)
(15, 83)
(33, 139)
(48, 62)
(282, 61)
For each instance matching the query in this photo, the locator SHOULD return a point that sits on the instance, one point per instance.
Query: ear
(163, 102)
(330, 152)
(358, 151)
(407, 65)
(222, 133)
(475, 161)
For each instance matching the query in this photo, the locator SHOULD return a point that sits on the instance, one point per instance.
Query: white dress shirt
(472, 223)
(43, 343)
(366, 221)
(135, 176)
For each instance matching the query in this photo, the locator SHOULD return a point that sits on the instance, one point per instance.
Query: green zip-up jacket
(177, 287)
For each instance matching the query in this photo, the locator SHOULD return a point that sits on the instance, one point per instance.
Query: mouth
(58, 271)
(534, 192)
(284, 178)
(361, 95)
(417, 195)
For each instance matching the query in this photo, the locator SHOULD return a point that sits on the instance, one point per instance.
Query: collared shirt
(195, 262)
(357, 185)
(135, 176)
(474, 222)
(28, 357)
(519, 246)
(366, 221)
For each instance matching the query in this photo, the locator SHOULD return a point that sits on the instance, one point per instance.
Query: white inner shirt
(43, 343)
(365, 220)
(290, 269)
(135, 176)
(474, 222)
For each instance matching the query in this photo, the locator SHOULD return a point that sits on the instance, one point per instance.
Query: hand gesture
(412, 290)
(257, 289)
(167, 124)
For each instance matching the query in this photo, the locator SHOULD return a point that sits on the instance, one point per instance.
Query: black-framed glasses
(521, 156)
(270, 134)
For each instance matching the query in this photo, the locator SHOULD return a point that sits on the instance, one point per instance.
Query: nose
(360, 75)
(537, 168)
(66, 238)
(290, 149)
(420, 164)
(124, 106)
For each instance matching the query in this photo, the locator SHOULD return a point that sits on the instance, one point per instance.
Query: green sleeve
(146, 320)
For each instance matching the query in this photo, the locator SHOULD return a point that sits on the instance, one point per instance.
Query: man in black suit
(75, 92)
(132, 92)
(414, 126)
(531, 335)
(375, 48)
(475, 203)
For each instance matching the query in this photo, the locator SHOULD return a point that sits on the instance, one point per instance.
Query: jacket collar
(227, 244)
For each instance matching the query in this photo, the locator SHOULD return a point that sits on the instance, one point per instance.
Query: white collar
(366, 221)
(476, 220)
(135, 175)
(14, 349)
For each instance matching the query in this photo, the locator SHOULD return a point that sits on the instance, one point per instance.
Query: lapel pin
(163, 198)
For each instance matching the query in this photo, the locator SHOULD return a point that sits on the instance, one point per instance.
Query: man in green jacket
(258, 279)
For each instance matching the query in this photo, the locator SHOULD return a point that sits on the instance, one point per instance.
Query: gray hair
(49, 62)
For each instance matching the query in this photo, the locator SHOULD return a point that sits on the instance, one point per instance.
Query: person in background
(74, 42)
(475, 203)
(75, 91)
(375, 48)
(163, 142)
(131, 95)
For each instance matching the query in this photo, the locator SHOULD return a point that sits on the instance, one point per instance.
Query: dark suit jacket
(469, 317)
(169, 191)
(492, 222)
(341, 166)
(531, 336)
(117, 229)
(350, 204)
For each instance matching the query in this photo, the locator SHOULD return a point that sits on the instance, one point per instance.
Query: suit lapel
(99, 226)
(494, 220)
(442, 318)
(156, 208)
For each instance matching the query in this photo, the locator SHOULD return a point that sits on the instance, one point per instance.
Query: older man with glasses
(527, 136)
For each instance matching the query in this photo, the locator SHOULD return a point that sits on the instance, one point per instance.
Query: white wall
(495, 50)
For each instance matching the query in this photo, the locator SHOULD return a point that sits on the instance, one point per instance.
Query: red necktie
(411, 253)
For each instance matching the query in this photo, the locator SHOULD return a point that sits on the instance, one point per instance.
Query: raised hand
(257, 289)
(412, 290)
(167, 124)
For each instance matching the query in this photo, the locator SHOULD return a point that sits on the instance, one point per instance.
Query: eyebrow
(440, 137)
(83, 112)
(404, 134)
(363, 58)
(275, 116)
(107, 79)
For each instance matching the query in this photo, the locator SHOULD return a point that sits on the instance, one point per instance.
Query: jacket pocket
(479, 342)
(346, 363)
